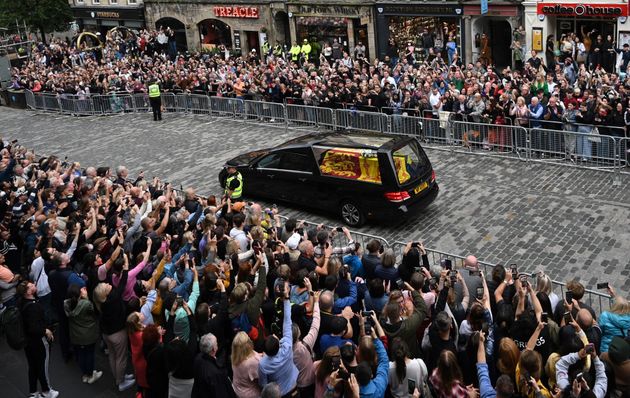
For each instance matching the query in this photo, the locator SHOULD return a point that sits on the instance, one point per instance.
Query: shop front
(213, 26)
(348, 25)
(398, 25)
(586, 20)
(105, 18)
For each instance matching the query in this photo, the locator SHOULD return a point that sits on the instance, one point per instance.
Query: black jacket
(34, 321)
(113, 310)
(211, 379)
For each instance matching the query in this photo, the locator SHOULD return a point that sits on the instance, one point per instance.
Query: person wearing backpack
(37, 341)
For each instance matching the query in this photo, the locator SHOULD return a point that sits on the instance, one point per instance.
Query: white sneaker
(130, 376)
(85, 378)
(34, 395)
(50, 394)
(95, 376)
(125, 385)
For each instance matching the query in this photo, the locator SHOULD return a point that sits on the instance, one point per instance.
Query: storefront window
(325, 29)
(214, 33)
(403, 30)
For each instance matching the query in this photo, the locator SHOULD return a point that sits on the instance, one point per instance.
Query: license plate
(420, 188)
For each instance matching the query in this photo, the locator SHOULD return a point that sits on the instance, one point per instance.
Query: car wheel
(351, 214)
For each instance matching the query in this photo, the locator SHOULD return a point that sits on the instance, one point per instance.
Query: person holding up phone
(600, 385)
(405, 374)
(614, 322)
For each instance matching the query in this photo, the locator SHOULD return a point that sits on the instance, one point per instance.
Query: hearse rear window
(410, 162)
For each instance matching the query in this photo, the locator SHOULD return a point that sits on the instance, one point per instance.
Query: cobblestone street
(562, 220)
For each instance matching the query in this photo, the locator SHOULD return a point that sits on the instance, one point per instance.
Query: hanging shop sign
(419, 9)
(583, 10)
(237, 12)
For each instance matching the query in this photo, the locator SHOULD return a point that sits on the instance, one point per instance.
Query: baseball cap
(293, 241)
(238, 206)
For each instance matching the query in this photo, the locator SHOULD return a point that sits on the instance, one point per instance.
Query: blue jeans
(583, 144)
(85, 358)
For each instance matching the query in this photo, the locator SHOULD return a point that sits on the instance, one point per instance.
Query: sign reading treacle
(237, 12)
(583, 10)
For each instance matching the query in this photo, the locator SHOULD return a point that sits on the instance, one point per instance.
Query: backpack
(13, 327)
(241, 323)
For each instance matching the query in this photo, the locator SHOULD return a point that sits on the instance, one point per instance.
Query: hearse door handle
(271, 176)
(302, 179)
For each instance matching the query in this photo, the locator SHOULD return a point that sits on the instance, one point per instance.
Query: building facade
(103, 15)
(208, 24)
(587, 19)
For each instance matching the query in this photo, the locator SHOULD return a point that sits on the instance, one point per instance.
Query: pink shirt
(131, 280)
(302, 350)
(245, 381)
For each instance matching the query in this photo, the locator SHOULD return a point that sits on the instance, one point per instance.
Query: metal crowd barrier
(367, 121)
(597, 300)
(263, 111)
(309, 116)
(572, 145)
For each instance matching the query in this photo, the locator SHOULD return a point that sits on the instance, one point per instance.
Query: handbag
(594, 136)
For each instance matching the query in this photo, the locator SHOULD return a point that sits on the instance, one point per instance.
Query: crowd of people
(212, 296)
(570, 85)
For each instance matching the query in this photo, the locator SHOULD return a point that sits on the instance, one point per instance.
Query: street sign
(484, 7)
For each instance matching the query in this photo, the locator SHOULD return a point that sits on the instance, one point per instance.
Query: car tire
(351, 214)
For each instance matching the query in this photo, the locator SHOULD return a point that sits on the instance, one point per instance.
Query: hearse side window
(348, 163)
(271, 161)
(295, 162)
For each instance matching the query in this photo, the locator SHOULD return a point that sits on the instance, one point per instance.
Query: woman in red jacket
(134, 330)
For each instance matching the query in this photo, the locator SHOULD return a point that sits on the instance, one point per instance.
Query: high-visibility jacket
(265, 48)
(306, 49)
(154, 90)
(277, 50)
(238, 191)
(295, 52)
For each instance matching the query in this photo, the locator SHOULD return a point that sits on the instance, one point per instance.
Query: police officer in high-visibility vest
(306, 50)
(155, 100)
(234, 184)
(277, 50)
(295, 52)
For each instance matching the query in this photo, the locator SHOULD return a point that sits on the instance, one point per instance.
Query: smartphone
(579, 376)
(180, 301)
(400, 283)
(544, 317)
(567, 318)
(514, 271)
(568, 296)
(339, 229)
(602, 285)
(479, 294)
(589, 348)
(367, 313)
(448, 264)
(336, 362)
(485, 327)
(411, 385)
(415, 244)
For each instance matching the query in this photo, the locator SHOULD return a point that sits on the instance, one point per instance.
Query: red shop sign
(583, 10)
(237, 12)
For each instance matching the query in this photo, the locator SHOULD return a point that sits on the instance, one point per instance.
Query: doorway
(501, 40)
(253, 42)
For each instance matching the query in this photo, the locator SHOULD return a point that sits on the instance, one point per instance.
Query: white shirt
(38, 275)
(434, 100)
